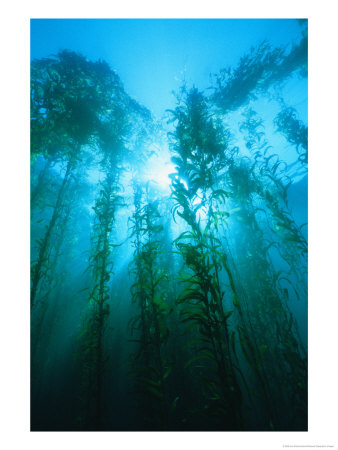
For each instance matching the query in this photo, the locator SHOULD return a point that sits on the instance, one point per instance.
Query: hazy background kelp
(169, 256)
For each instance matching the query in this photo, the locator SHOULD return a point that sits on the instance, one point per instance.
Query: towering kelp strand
(258, 192)
(263, 301)
(62, 243)
(200, 155)
(112, 133)
(66, 100)
(48, 311)
(98, 307)
(150, 365)
(257, 189)
(272, 183)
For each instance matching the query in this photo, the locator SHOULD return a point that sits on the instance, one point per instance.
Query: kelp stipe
(112, 133)
(270, 187)
(150, 365)
(199, 149)
(46, 314)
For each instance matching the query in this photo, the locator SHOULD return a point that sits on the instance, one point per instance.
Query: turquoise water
(169, 225)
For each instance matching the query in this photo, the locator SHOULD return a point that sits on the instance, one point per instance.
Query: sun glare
(158, 170)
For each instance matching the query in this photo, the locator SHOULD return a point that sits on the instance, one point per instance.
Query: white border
(323, 123)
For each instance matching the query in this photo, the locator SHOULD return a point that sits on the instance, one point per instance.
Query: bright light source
(159, 172)
(158, 167)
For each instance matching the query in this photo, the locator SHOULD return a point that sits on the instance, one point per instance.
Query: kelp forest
(169, 255)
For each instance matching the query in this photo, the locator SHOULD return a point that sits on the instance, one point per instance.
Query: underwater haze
(169, 225)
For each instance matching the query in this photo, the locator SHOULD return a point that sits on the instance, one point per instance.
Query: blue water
(169, 225)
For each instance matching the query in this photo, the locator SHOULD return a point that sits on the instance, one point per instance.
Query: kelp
(65, 106)
(257, 71)
(272, 184)
(200, 155)
(204, 332)
(294, 130)
(112, 134)
(252, 183)
(151, 365)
